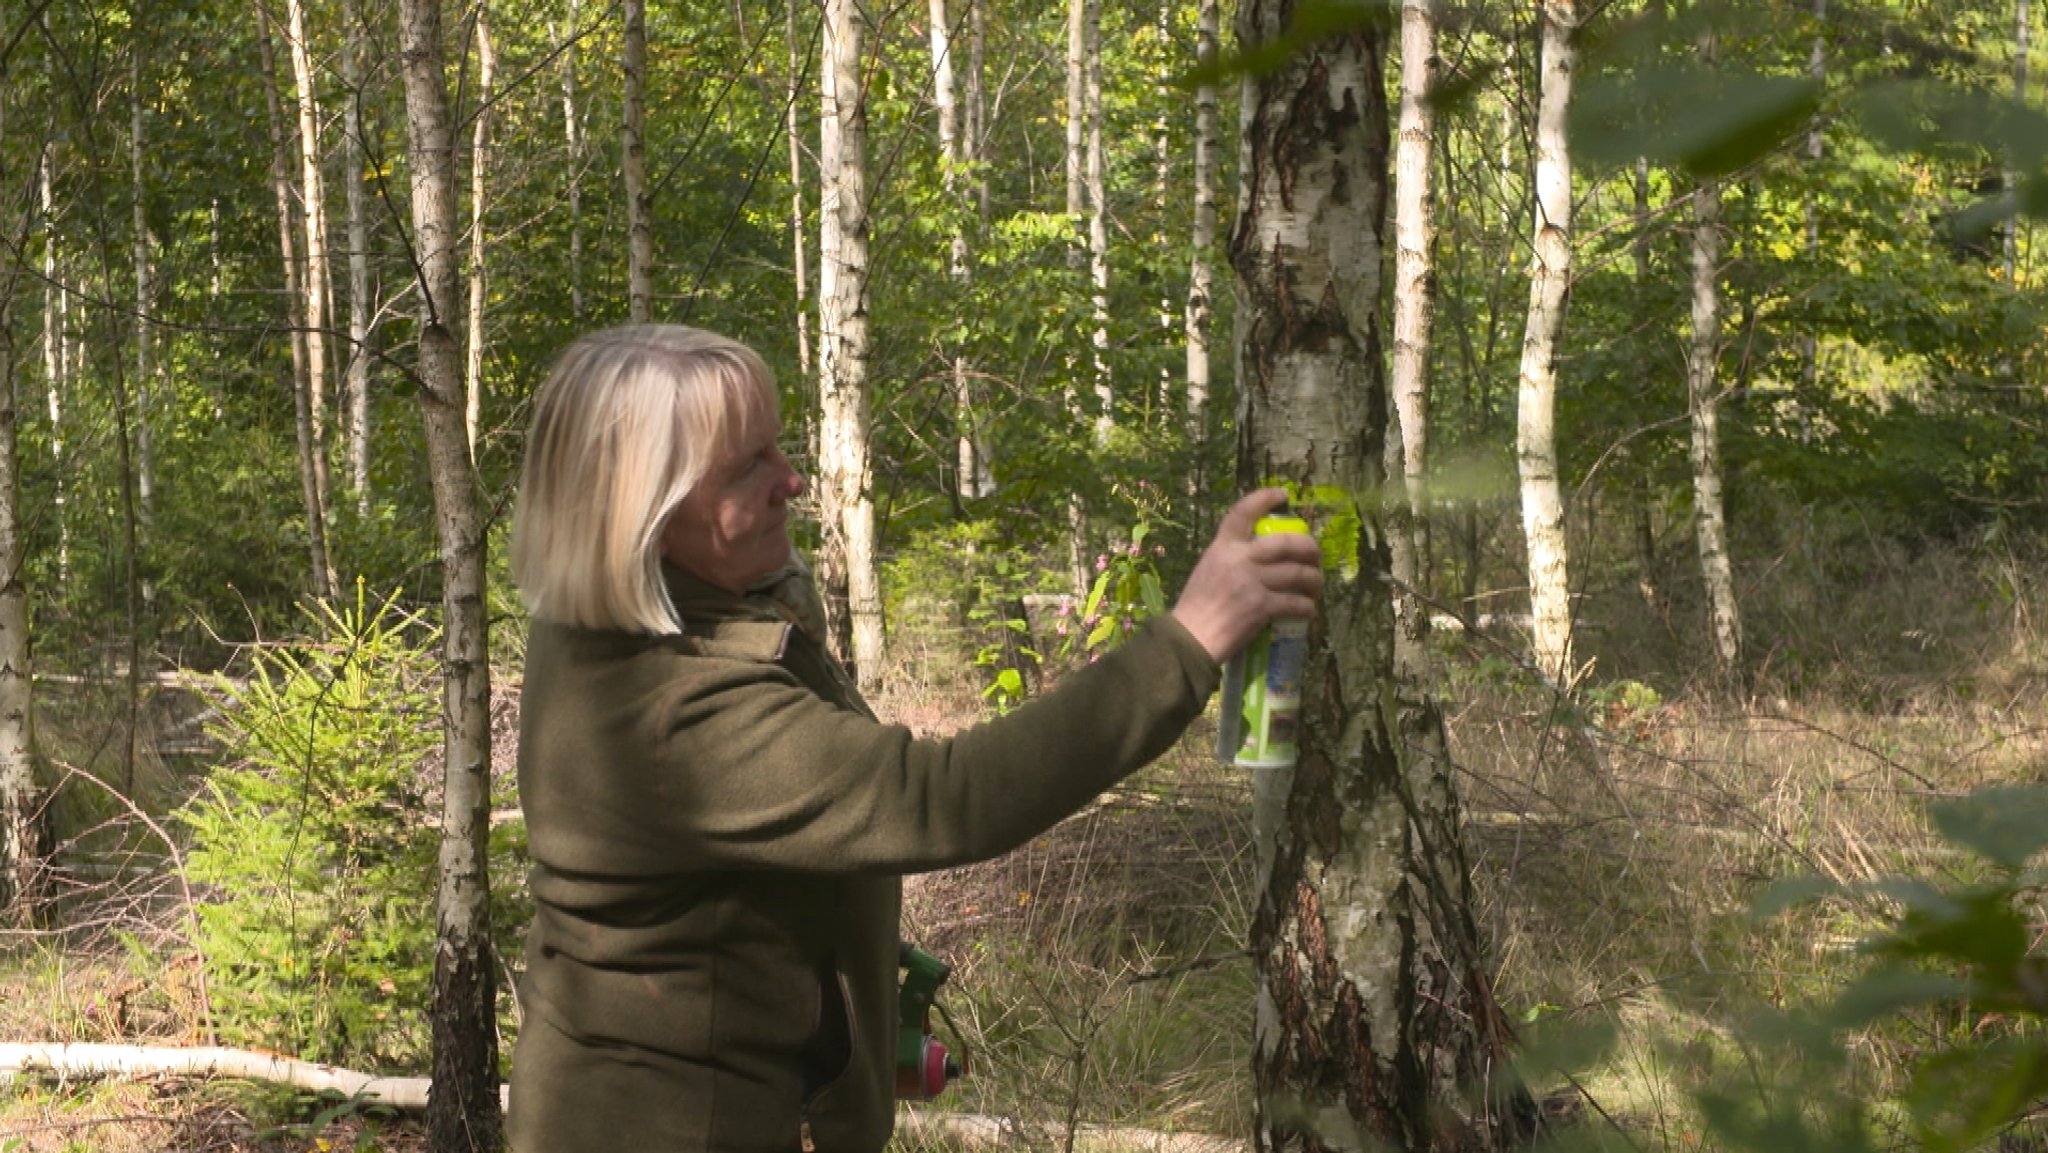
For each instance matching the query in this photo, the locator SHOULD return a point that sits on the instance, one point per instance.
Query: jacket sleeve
(751, 770)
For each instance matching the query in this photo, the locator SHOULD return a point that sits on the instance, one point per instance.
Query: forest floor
(1619, 838)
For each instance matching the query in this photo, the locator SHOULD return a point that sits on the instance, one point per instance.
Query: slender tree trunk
(1536, 407)
(361, 306)
(2022, 36)
(145, 306)
(1703, 388)
(972, 480)
(462, 1111)
(1644, 494)
(791, 133)
(22, 842)
(318, 278)
(1414, 316)
(322, 578)
(572, 128)
(1080, 15)
(846, 497)
(1809, 344)
(55, 377)
(1098, 225)
(479, 164)
(639, 205)
(976, 128)
(1201, 270)
(1376, 1026)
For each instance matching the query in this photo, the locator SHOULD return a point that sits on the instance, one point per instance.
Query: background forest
(1717, 521)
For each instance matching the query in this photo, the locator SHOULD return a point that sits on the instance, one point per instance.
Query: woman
(718, 825)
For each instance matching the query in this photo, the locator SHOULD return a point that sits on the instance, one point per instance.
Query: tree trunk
(846, 498)
(319, 312)
(1703, 389)
(361, 308)
(1201, 268)
(1098, 224)
(479, 164)
(145, 306)
(21, 828)
(463, 1113)
(322, 578)
(972, 480)
(1414, 315)
(2022, 35)
(1644, 494)
(572, 128)
(639, 205)
(975, 129)
(1080, 15)
(1550, 607)
(1375, 1024)
(792, 134)
(55, 374)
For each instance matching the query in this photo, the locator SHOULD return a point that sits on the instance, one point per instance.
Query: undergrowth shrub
(314, 846)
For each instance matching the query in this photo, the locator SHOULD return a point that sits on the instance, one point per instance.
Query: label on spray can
(1271, 704)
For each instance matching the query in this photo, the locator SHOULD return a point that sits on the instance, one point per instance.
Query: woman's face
(733, 528)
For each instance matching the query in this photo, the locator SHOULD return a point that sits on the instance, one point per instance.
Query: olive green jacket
(718, 827)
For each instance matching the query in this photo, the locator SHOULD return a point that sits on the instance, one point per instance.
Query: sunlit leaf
(2005, 825)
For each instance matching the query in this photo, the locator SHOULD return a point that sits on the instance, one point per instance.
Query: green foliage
(1956, 963)
(1126, 592)
(314, 847)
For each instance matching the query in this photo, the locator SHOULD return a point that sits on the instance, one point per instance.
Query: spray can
(1261, 707)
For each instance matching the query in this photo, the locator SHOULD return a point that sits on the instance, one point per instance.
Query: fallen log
(83, 1060)
(410, 1093)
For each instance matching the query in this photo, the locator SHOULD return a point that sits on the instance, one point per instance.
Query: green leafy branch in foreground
(1960, 954)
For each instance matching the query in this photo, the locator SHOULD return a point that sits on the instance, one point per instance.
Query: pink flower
(1101, 562)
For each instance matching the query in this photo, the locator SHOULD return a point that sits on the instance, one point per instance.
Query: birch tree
(1201, 267)
(145, 299)
(575, 138)
(479, 165)
(972, 478)
(21, 840)
(316, 277)
(633, 165)
(846, 502)
(462, 1111)
(56, 367)
(1550, 607)
(2022, 38)
(1414, 316)
(1095, 178)
(311, 488)
(794, 138)
(1375, 1026)
(1703, 394)
(361, 307)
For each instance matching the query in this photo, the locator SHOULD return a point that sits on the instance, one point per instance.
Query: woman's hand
(1243, 582)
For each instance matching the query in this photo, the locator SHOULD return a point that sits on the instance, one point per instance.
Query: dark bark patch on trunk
(465, 993)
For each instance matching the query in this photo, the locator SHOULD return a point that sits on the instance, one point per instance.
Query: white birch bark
(1536, 403)
(575, 137)
(479, 167)
(21, 842)
(2022, 37)
(1200, 313)
(846, 496)
(791, 134)
(145, 307)
(1374, 1026)
(1098, 225)
(54, 376)
(1703, 390)
(1414, 316)
(975, 129)
(639, 206)
(464, 1111)
(317, 275)
(971, 471)
(361, 307)
(311, 489)
(1078, 18)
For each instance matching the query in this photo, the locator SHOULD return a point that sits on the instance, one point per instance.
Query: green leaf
(1104, 629)
(1786, 892)
(2006, 824)
(1708, 123)
(1889, 990)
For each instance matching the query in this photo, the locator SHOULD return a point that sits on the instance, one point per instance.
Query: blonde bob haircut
(626, 425)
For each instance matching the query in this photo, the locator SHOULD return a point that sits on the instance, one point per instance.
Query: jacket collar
(752, 626)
